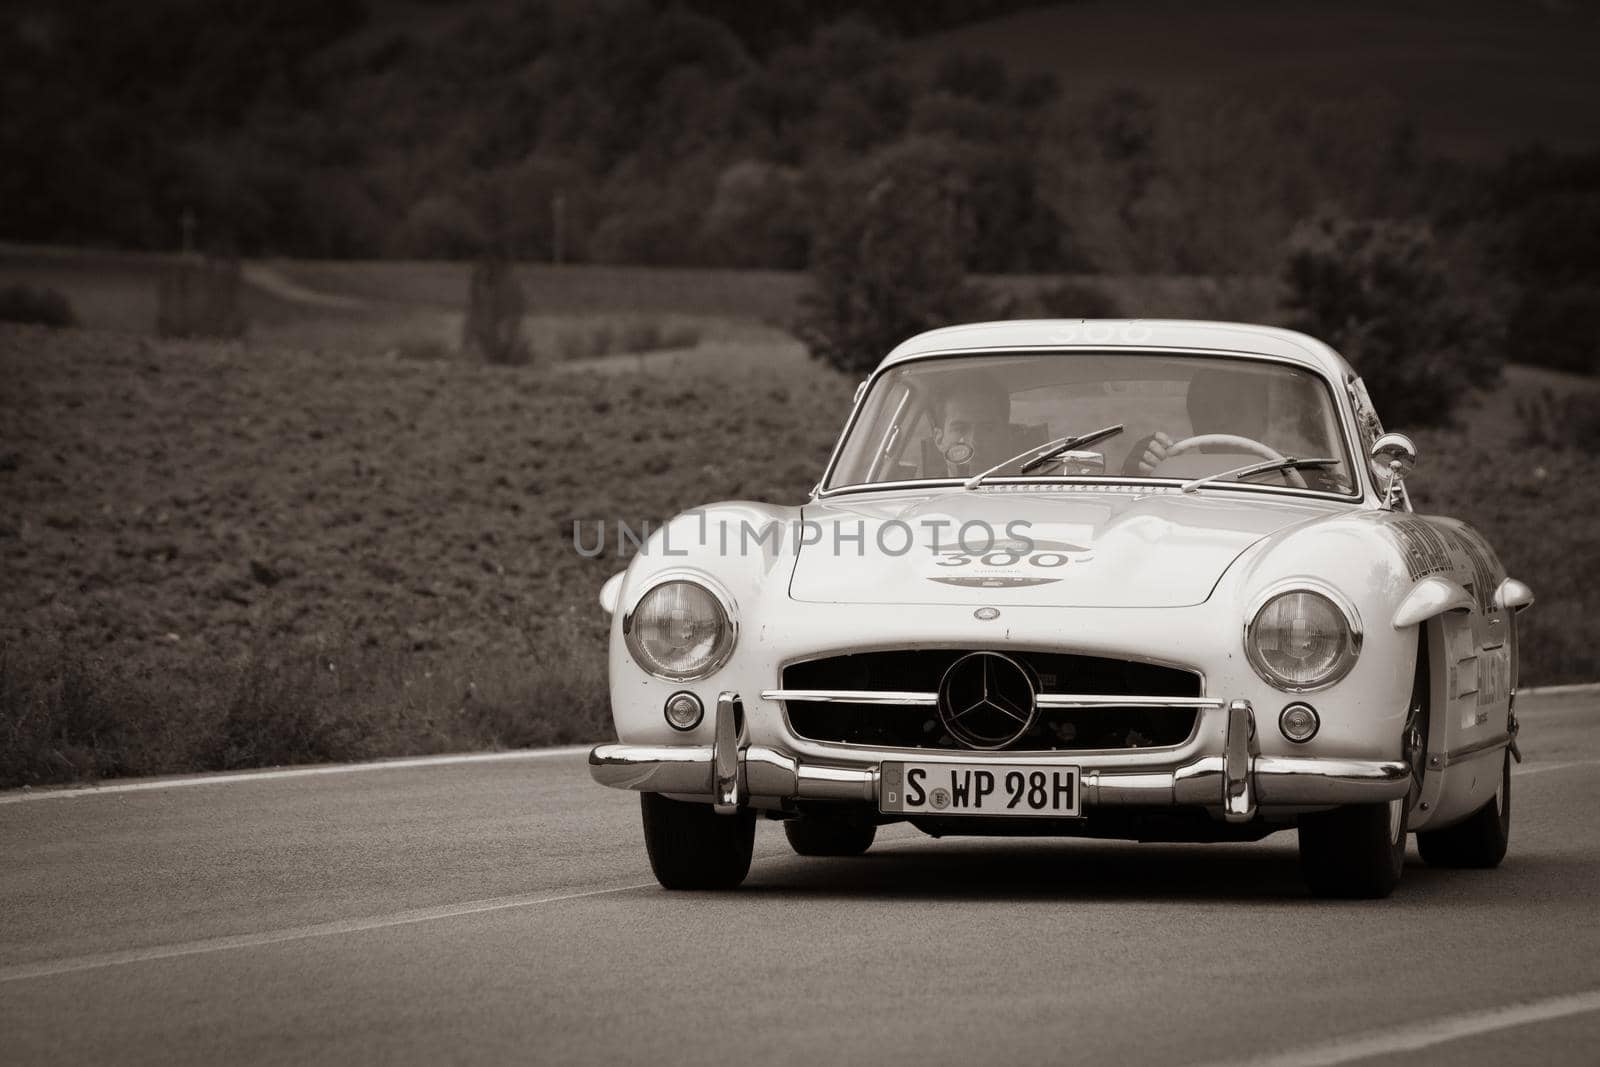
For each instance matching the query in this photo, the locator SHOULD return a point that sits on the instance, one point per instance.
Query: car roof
(1102, 334)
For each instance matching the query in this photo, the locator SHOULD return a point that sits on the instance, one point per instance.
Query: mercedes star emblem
(987, 700)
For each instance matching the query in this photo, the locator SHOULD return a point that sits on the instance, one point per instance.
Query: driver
(971, 426)
(1222, 401)
(1218, 402)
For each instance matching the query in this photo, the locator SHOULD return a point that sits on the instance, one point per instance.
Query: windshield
(1183, 417)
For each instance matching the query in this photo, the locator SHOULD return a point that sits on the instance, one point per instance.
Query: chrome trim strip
(1046, 700)
(1090, 700)
(853, 696)
(1477, 748)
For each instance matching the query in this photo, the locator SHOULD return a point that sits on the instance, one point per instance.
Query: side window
(892, 443)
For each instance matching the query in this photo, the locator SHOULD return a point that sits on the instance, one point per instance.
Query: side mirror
(1394, 453)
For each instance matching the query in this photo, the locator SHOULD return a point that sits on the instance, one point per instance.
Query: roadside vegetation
(38, 305)
(224, 555)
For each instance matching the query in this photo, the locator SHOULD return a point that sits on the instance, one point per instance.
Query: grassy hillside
(230, 555)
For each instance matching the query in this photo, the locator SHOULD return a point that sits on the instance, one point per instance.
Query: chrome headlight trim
(730, 619)
(1346, 609)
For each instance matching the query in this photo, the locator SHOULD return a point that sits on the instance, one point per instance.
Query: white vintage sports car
(1147, 580)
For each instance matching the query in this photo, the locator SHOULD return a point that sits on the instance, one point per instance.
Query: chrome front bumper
(1235, 781)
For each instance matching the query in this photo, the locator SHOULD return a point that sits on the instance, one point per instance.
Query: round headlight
(679, 630)
(1302, 640)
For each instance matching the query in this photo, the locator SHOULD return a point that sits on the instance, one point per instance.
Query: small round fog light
(683, 711)
(1299, 723)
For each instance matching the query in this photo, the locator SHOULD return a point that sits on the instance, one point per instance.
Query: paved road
(505, 910)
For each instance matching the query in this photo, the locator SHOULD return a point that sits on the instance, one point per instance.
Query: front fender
(747, 551)
(1349, 558)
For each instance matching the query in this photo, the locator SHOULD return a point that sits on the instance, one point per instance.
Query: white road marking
(1556, 690)
(69, 792)
(70, 964)
(1540, 768)
(1432, 1032)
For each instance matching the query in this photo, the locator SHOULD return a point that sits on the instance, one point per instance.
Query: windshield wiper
(1289, 463)
(1040, 455)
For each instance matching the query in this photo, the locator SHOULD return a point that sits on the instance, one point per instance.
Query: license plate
(977, 789)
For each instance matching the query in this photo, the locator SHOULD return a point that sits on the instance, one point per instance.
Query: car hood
(1138, 548)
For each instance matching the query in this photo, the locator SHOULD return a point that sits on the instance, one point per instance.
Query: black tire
(814, 835)
(692, 847)
(1353, 852)
(1480, 840)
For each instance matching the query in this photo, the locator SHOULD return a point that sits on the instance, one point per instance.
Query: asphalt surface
(505, 910)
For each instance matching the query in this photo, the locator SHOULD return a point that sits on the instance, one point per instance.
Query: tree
(757, 218)
(887, 263)
(493, 323)
(1380, 293)
(1549, 207)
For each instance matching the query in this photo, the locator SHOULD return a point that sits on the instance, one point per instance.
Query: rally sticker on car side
(1435, 548)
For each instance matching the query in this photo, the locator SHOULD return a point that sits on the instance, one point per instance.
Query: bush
(1560, 422)
(1378, 291)
(1074, 300)
(888, 265)
(757, 218)
(441, 226)
(201, 298)
(495, 306)
(41, 306)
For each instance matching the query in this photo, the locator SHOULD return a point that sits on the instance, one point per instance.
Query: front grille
(1057, 729)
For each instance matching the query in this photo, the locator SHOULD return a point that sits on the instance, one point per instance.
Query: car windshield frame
(1342, 422)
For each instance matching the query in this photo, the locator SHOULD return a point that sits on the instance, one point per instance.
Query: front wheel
(1354, 852)
(692, 847)
(1479, 840)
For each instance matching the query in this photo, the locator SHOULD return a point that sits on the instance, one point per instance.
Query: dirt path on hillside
(271, 281)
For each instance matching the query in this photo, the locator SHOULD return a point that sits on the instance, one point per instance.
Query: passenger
(971, 427)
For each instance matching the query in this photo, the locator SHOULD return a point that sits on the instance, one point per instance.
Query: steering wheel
(1234, 441)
